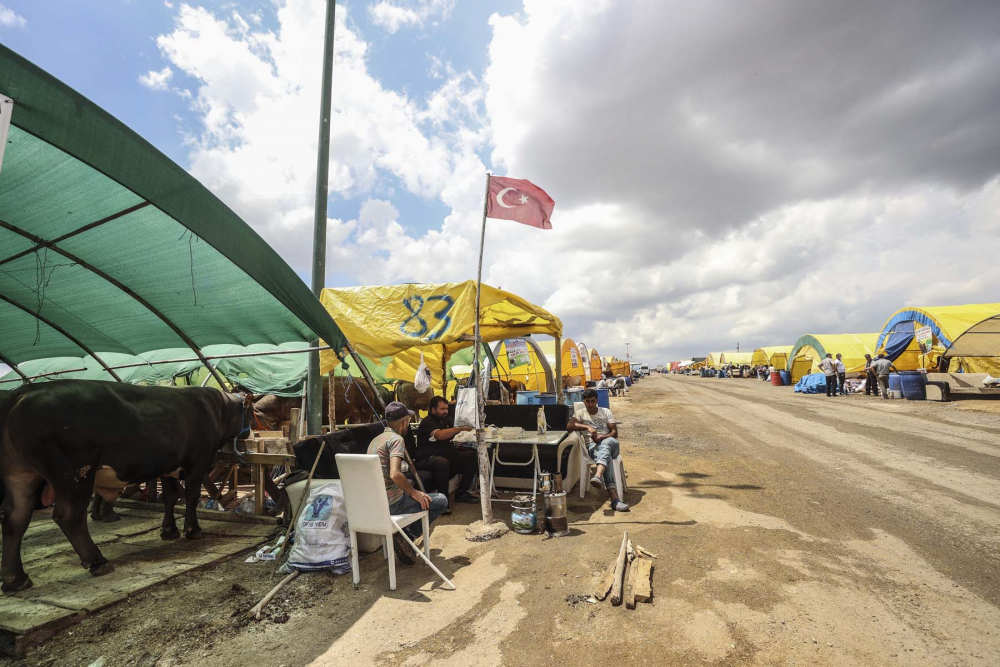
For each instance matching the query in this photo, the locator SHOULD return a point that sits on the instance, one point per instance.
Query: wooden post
(444, 372)
(609, 576)
(332, 408)
(484, 460)
(258, 471)
(620, 567)
(293, 427)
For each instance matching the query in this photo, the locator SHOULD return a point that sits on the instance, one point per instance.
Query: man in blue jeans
(600, 434)
(403, 498)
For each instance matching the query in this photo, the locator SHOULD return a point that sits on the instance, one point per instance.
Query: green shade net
(110, 252)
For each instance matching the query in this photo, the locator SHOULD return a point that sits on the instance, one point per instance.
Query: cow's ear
(247, 400)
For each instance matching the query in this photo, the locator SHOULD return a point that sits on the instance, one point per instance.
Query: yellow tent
(522, 359)
(978, 347)
(572, 365)
(596, 368)
(713, 360)
(947, 323)
(585, 359)
(810, 349)
(436, 319)
(736, 358)
(772, 356)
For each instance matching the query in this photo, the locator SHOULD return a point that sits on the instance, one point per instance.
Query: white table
(550, 438)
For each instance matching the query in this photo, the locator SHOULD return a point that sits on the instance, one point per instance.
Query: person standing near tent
(871, 378)
(841, 374)
(601, 439)
(403, 498)
(883, 367)
(434, 444)
(829, 369)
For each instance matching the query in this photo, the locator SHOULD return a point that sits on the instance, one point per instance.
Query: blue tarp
(814, 383)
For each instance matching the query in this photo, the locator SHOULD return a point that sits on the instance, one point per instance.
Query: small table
(550, 438)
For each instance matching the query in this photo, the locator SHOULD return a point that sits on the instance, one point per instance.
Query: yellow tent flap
(572, 365)
(438, 319)
(537, 375)
(947, 324)
(776, 356)
(810, 349)
(713, 360)
(596, 368)
(737, 358)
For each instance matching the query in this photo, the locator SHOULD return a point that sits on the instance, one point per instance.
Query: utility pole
(628, 359)
(314, 383)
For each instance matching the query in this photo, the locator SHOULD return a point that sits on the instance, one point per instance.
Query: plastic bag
(467, 408)
(422, 380)
(322, 538)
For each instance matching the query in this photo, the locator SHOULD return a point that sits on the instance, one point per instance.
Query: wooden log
(608, 580)
(643, 552)
(259, 607)
(619, 577)
(633, 569)
(643, 580)
(293, 428)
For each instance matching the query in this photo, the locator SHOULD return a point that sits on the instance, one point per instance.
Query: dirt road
(791, 530)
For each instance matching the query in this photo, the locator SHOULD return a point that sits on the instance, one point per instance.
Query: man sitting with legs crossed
(600, 435)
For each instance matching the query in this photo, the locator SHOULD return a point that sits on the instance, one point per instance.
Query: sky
(724, 173)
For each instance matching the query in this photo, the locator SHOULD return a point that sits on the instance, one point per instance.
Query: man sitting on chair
(437, 452)
(600, 434)
(403, 498)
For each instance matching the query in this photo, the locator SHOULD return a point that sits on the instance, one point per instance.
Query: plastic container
(526, 398)
(722, 373)
(895, 385)
(546, 399)
(573, 395)
(776, 379)
(603, 398)
(628, 380)
(913, 385)
(786, 378)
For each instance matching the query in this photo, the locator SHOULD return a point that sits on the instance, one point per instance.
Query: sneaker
(466, 498)
(447, 511)
(404, 552)
(620, 506)
(597, 483)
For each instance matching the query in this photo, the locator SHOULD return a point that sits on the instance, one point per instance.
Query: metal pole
(559, 369)
(484, 461)
(314, 384)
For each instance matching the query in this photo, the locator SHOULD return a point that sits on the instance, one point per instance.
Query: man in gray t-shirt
(882, 368)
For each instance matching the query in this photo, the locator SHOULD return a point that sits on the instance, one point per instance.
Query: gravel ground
(790, 530)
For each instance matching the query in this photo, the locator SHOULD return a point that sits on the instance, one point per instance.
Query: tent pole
(559, 369)
(314, 392)
(15, 369)
(484, 462)
(368, 376)
(444, 372)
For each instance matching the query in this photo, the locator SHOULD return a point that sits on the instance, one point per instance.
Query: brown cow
(354, 403)
(573, 381)
(407, 394)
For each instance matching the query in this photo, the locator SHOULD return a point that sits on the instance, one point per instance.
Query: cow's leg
(171, 492)
(70, 514)
(192, 494)
(15, 515)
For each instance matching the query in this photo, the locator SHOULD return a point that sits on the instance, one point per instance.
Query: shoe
(447, 511)
(404, 552)
(597, 483)
(466, 498)
(620, 506)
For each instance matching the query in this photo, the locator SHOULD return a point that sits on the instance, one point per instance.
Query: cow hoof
(110, 518)
(17, 584)
(195, 534)
(170, 533)
(102, 569)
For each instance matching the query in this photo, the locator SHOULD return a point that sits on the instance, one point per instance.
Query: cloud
(394, 16)
(9, 19)
(747, 173)
(157, 80)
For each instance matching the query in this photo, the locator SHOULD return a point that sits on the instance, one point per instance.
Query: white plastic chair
(368, 512)
(586, 462)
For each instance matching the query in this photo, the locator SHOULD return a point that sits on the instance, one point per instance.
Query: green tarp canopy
(112, 254)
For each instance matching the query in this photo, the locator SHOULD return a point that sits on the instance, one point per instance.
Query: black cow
(64, 431)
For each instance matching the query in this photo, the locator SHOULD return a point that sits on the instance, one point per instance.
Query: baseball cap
(396, 411)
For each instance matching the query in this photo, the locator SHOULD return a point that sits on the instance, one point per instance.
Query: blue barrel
(573, 395)
(895, 384)
(913, 385)
(786, 378)
(603, 398)
(628, 380)
(526, 397)
(704, 372)
(722, 373)
(547, 399)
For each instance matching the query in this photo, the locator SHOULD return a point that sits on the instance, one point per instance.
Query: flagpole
(485, 492)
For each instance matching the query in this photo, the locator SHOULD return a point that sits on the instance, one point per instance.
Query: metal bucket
(555, 513)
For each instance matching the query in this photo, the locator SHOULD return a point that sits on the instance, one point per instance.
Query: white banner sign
(6, 109)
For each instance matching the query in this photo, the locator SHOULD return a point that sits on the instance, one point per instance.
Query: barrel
(704, 372)
(786, 378)
(603, 398)
(913, 385)
(776, 379)
(722, 373)
(573, 395)
(526, 397)
(547, 399)
(628, 380)
(895, 384)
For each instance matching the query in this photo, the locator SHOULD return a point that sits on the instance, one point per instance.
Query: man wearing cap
(403, 498)
(601, 439)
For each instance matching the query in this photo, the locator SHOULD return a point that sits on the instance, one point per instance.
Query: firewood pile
(629, 578)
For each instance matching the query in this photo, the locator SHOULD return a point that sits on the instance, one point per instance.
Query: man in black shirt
(434, 437)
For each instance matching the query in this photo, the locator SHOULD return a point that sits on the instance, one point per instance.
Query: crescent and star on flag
(523, 198)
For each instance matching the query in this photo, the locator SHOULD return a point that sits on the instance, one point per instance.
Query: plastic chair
(368, 512)
(586, 461)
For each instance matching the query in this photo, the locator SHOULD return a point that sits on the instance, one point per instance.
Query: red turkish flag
(519, 200)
